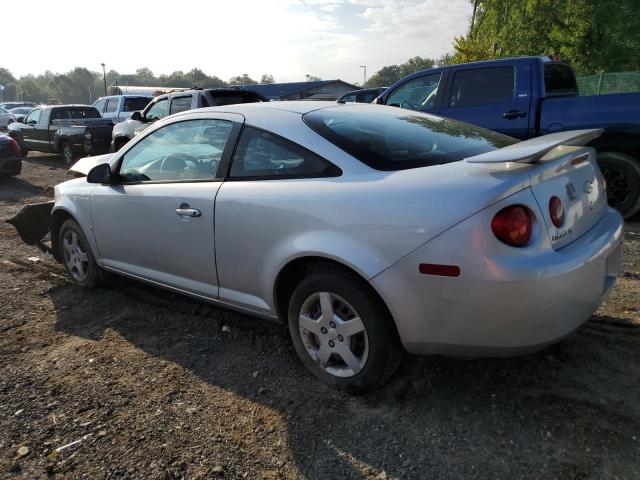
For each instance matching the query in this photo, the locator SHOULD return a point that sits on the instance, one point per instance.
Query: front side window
(351, 98)
(261, 154)
(392, 139)
(112, 105)
(82, 113)
(180, 104)
(33, 117)
(370, 96)
(183, 151)
(482, 86)
(157, 111)
(416, 94)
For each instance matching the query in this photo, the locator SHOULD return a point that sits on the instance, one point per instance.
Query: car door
(154, 112)
(422, 93)
(491, 97)
(157, 221)
(27, 130)
(112, 108)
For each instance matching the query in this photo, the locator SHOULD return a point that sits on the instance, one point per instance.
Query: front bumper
(502, 303)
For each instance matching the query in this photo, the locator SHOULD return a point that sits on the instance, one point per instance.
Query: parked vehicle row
(68, 130)
(175, 102)
(527, 97)
(6, 118)
(365, 95)
(435, 208)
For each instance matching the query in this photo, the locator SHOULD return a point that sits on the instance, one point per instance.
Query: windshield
(389, 138)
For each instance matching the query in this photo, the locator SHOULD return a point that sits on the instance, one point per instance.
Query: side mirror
(101, 173)
(136, 116)
(32, 122)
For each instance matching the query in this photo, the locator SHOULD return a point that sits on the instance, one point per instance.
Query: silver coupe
(371, 231)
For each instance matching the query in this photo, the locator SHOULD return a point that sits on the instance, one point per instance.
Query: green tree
(242, 80)
(392, 73)
(267, 79)
(591, 34)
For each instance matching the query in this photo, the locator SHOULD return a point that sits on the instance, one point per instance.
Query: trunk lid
(572, 175)
(563, 168)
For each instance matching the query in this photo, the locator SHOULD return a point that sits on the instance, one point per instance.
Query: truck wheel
(342, 332)
(67, 152)
(622, 173)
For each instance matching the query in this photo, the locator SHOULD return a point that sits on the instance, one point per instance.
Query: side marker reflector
(441, 270)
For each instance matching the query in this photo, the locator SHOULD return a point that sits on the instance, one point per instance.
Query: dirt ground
(155, 386)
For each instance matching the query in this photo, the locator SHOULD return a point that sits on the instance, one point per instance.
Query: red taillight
(15, 148)
(512, 225)
(556, 210)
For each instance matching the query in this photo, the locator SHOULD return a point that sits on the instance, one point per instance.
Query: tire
(375, 352)
(66, 152)
(622, 173)
(77, 257)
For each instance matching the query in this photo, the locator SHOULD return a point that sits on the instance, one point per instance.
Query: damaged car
(370, 231)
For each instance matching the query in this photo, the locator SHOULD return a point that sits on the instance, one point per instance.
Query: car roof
(297, 106)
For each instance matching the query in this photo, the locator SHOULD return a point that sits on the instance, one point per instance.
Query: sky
(285, 38)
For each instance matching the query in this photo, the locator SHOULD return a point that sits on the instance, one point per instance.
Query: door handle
(512, 114)
(186, 210)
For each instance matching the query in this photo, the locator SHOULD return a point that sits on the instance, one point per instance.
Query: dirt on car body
(134, 382)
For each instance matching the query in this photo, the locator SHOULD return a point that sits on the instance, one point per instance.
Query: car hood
(84, 165)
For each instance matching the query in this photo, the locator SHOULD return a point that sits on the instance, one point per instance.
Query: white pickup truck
(179, 101)
(118, 108)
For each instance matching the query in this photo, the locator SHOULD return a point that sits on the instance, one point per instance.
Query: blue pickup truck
(529, 96)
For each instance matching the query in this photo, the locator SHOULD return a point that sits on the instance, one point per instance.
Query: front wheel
(342, 332)
(67, 153)
(77, 257)
(622, 173)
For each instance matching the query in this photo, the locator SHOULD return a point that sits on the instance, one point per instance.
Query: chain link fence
(603, 83)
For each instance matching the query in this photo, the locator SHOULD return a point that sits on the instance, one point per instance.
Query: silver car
(6, 118)
(369, 230)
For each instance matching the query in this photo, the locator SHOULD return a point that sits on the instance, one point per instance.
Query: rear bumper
(500, 305)
(10, 166)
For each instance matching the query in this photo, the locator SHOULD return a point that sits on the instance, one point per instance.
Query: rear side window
(263, 155)
(559, 80)
(180, 104)
(112, 105)
(132, 104)
(482, 86)
(391, 139)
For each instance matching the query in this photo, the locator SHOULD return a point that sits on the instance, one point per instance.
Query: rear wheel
(67, 153)
(77, 257)
(622, 173)
(342, 331)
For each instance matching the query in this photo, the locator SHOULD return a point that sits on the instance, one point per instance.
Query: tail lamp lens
(556, 210)
(15, 148)
(512, 225)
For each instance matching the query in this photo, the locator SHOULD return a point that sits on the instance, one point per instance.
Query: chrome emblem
(571, 191)
(588, 186)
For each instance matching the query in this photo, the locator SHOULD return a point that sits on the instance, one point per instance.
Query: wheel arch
(298, 268)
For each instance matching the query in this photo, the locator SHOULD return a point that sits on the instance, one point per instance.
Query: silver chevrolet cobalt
(370, 230)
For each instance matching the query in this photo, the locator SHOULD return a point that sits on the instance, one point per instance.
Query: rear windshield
(390, 138)
(131, 104)
(559, 80)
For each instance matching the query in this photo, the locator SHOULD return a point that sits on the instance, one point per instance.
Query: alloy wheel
(618, 186)
(333, 334)
(75, 256)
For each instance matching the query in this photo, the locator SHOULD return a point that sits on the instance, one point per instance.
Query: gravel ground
(134, 382)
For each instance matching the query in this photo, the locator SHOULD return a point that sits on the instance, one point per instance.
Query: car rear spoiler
(531, 151)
